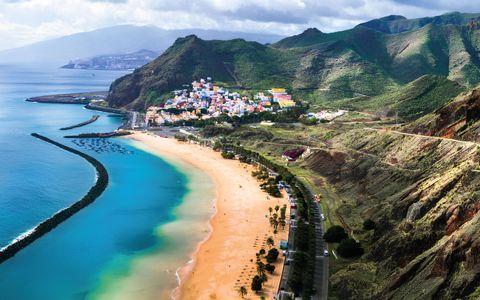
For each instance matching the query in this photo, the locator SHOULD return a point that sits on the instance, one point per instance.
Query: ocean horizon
(132, 238)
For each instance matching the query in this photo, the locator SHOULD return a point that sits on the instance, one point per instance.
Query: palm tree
(277, 208)
(260, 268)
(263, 277)
(283, 223)
(270, 242)
(242, 291)
(270, 209)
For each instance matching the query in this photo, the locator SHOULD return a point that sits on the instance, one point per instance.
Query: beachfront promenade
(320, 281)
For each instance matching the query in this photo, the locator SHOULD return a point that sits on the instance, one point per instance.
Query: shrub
(256, 283)
(335, 234)
(228, 155)
(181, 137)
(369, 224)
(270, 268)
(349, 248)
(272, 255)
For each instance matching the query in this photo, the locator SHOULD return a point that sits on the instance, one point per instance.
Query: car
(322, 216)
(325, 252)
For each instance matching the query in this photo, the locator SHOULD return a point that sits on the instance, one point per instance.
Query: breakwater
(95, 191)
(74, 98)
(98, 135)
(106, 109)
(91, 120)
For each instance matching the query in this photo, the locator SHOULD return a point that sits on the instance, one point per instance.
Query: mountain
(120, 39)
(415, 99)
(328, 69)
(127, 61)
(309, 37)
(396, 24)
(251, 65)
(458, 119)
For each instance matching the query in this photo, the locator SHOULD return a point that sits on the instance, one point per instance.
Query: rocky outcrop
(424, 196)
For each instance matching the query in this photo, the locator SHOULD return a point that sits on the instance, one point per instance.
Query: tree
(256, 284)
(181, 137)
(335, 234)
(349, 248)
(270, 242)
(262, 251)
(283, 223)
(270, 209)
(242, 291)
(277, 208)
(272, 255)
(369, 224)
(263, 277)
(270, 268)
(228, 155)
(260, 267)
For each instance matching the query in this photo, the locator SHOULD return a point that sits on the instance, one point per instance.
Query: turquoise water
(37, 179)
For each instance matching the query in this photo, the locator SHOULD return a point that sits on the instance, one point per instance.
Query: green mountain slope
(458, 119)
(345, 67)
(410, 101)
(251, 65)
(419, 97)
(396, 24)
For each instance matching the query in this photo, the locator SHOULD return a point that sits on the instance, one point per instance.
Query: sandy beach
(225, 260)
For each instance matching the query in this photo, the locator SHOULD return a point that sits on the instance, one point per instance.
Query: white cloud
(26, 21)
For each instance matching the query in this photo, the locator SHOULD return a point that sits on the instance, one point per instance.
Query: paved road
(320, 279)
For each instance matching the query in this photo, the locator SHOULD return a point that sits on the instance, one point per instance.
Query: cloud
(26, 21)
(445, 5)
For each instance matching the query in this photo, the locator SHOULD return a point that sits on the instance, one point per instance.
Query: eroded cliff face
(459, 119)
(424, 195)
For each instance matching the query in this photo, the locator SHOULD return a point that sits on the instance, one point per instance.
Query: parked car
(322, 216)
(325, 252)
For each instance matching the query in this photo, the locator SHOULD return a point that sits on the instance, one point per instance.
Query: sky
(26, 21)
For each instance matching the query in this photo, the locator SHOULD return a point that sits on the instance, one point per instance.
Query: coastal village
(204, 100)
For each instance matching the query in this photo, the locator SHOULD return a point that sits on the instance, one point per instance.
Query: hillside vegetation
(421, 193)
(350, 67)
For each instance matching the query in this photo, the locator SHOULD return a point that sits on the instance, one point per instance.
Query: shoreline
(222, 261)
(30, 236)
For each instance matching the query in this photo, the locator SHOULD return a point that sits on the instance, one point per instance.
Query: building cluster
(204, 100)
(327, 115)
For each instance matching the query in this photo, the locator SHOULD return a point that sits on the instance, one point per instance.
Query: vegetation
(242, 291)
(349, 248)
(181, 137)
(269, 184)
(270, 268)
(304, 260)
(228, 155)
(270, 242)
(369, 224)
(272, 255)
(257, 284)
(335, 234)
(374, 69)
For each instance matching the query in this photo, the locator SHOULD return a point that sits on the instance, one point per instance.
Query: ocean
(130, 241)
